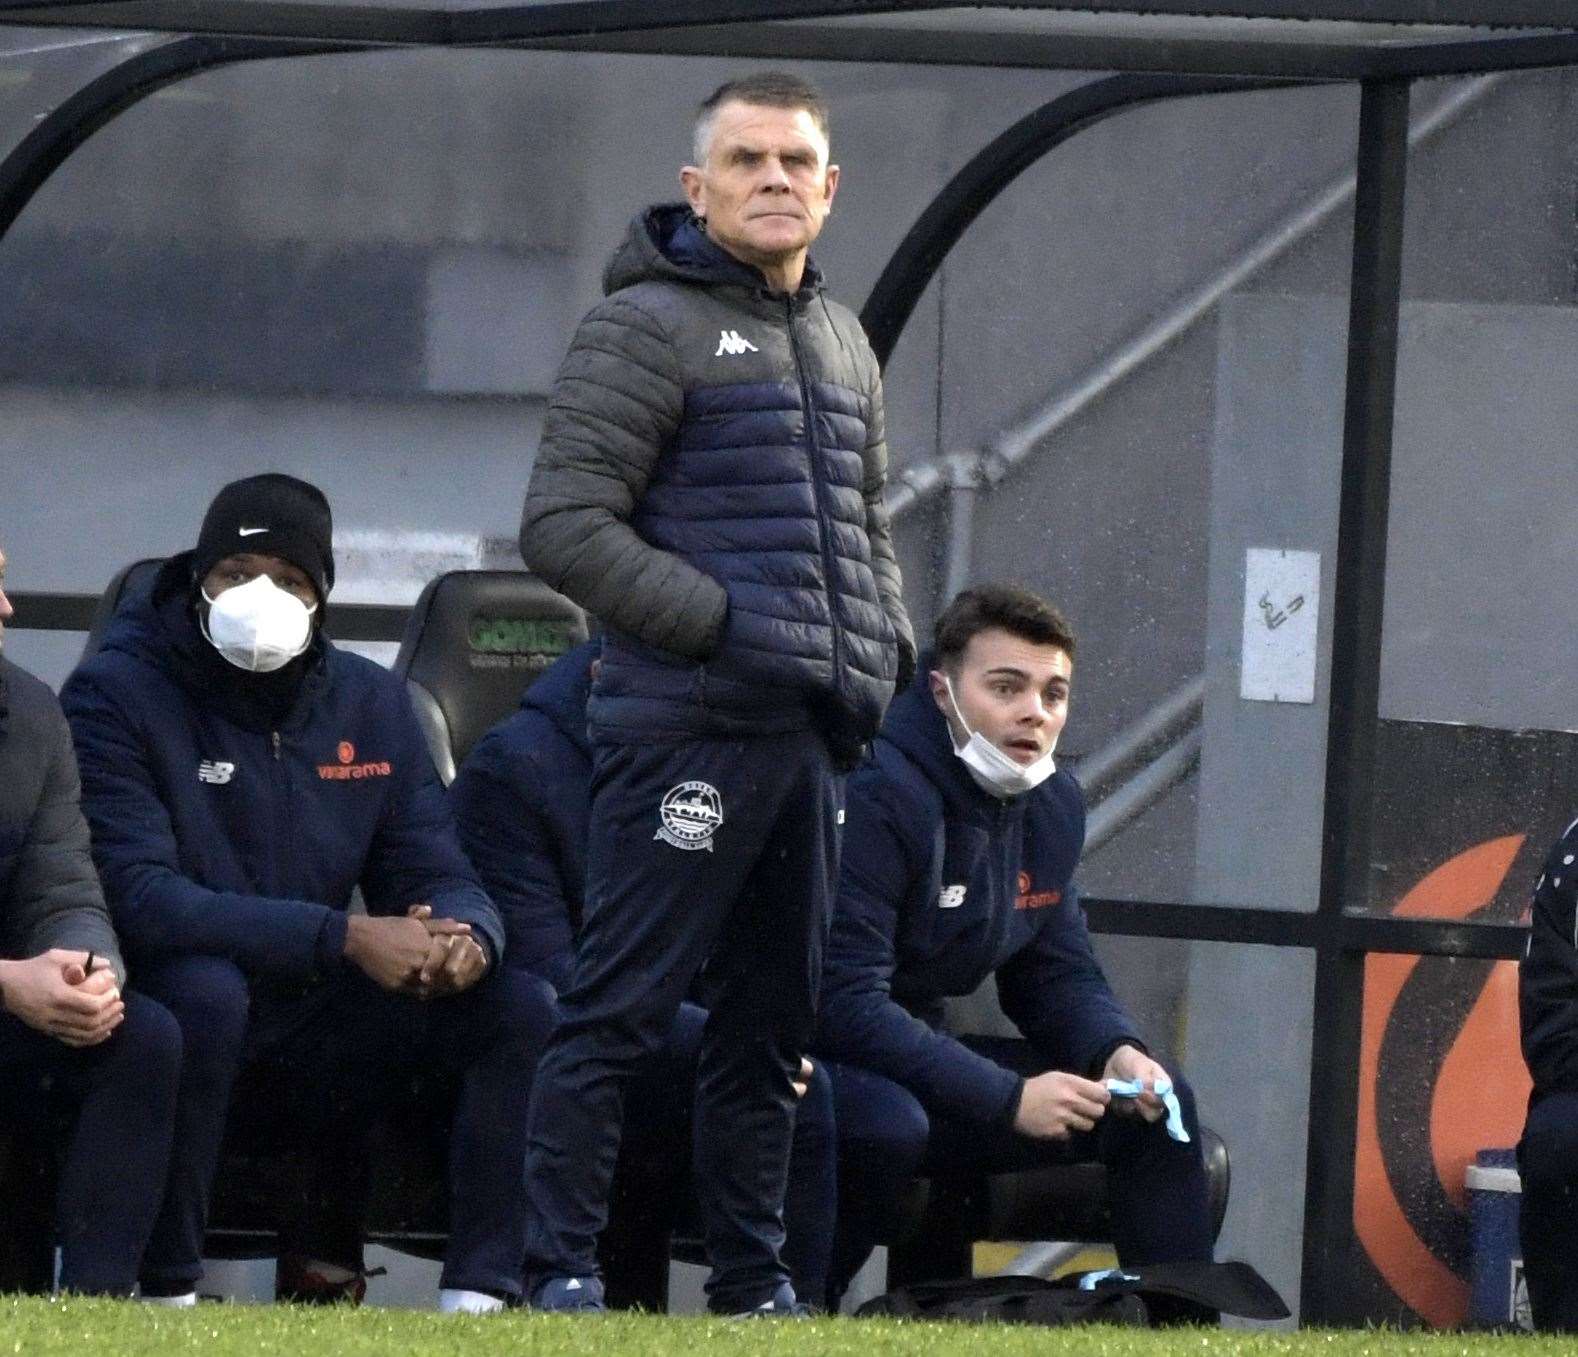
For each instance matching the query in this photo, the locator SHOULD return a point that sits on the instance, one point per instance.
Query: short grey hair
(770, 89)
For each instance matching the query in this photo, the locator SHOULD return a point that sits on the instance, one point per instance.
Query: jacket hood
(159, 628)
(916, 726)
(562, 691)
(667, 242)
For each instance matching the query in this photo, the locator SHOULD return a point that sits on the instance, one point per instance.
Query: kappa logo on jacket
(690, 815)
(952, 897)
(214, 772)
(731, 341)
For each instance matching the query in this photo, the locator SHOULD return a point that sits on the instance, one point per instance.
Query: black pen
(87, 966)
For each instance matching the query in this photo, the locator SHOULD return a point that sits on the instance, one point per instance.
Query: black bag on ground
(1007, 1300)
(1160, 1291)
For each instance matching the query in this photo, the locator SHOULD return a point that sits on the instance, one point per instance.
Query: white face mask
(258, 626)
(992, 769)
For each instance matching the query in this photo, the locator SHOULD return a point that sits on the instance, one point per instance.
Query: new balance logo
(731, 341)
(216, 773)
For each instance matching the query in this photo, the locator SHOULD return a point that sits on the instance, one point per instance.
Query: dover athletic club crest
(690, 815)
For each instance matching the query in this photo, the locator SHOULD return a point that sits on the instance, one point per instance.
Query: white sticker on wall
(1281, 608)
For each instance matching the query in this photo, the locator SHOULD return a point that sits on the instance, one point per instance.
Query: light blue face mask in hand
(1132, 1088)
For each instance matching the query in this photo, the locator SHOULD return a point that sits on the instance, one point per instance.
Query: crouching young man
(961, 843)
(242, 777)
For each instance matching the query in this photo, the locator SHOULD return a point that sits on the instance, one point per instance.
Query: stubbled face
(246, 566)
(766, 187)
(1011, 690)
(6, 610)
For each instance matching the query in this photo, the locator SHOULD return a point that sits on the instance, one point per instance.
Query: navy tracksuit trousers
(1156, 1185)
(329, 1063)
(653, 1183)
(120, 1095)
(715, 858)
(1548, 1213)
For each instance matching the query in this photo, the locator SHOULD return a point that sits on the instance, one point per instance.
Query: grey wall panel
(94, 482)
(1481, 612)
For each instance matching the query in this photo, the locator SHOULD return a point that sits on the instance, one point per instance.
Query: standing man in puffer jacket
(710, 486)
(242, 777)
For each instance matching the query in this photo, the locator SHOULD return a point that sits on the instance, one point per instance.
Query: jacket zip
(283, 849)
(819, 488)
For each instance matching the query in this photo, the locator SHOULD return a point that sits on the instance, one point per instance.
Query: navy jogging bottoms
(121, 1096)
(715, 858)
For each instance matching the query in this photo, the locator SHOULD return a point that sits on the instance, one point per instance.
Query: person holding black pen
(70, 1040)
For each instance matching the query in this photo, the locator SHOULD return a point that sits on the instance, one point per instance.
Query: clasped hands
(416, 953)
(63, 994)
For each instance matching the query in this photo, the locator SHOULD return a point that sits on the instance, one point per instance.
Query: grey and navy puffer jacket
(709, 485)
(49, 893)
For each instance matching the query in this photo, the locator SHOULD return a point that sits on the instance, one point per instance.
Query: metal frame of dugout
(1166, 49)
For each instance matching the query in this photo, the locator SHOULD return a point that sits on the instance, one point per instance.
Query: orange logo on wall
(1029, 899)
(1409, 1209)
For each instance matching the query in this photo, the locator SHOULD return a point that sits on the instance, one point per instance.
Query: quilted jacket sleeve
(879, 531)
(616, 403)
(55, 885)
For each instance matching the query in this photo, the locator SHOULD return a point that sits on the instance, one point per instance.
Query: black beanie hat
(272, 515)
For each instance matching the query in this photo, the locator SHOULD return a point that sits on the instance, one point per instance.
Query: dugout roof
(1343, 39)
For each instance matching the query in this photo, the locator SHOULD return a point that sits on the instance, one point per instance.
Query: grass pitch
(83, 1328)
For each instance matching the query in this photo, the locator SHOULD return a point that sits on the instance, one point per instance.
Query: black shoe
(297, 1282)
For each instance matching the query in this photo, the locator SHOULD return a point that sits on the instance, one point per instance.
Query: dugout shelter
(1360, 949)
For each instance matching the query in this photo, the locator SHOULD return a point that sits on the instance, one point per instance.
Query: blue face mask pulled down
(1132, 1088)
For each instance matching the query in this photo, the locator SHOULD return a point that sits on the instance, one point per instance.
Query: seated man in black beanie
(242, 777)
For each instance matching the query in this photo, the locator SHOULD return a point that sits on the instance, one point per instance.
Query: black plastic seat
(474, 641)
(942, 1219)
(129, 582)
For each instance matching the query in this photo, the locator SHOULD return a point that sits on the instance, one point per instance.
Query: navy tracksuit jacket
(943, 885)
(225, 825)
(523, 801)
(1548, 1150)
(233, 815)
